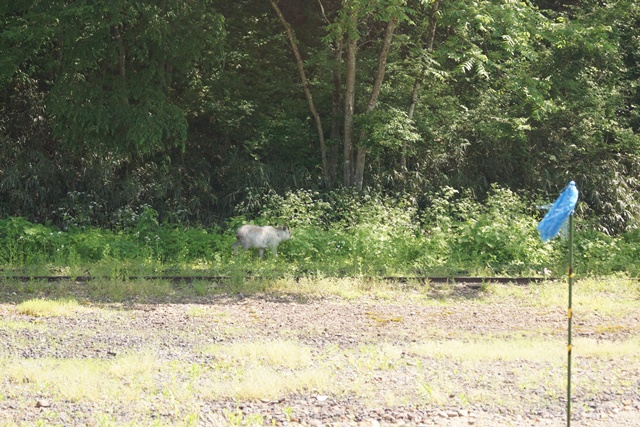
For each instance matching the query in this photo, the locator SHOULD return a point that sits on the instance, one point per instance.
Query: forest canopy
(200, 108)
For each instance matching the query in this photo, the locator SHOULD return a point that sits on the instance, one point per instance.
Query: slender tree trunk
(334, 149)
(121, 53)
(431, 34)
(307, 90)
(335, 112)
(349, 104)
(167, 71)
(373, 98)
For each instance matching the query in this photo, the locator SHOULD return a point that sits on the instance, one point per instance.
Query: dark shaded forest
(202, 109)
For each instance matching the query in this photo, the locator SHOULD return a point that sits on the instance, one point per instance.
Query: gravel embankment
(605, 391)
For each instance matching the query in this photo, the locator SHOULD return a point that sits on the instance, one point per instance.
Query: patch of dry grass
(482, 349)
(612, 296)
(264, 369)
(16, 325)
(285, 353)
(121, 379)
(44, 307)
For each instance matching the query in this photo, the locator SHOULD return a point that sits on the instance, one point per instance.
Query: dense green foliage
(145, 131)
(335, 234)
(194, 108)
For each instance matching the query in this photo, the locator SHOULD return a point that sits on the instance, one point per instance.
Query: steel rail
(468, 280)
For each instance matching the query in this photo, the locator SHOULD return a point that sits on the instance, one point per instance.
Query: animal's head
(285, 232)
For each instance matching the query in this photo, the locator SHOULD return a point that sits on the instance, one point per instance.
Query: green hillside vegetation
(394, 137)
(198, 110)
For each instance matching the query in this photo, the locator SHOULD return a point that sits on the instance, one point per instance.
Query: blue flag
(558, 213)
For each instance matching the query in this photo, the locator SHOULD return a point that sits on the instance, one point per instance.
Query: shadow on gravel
(201, 291)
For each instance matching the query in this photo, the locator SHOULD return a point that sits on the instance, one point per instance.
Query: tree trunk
(307, 90)
(349, 103)
(334, 150)
(335, 113)
(431, 34)
(121, 52)
(373, 98)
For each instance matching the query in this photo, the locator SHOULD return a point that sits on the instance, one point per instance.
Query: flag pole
(561, 211)
(569, 316)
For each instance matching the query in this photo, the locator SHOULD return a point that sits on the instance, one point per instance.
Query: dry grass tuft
(49, 308)
(283, 353)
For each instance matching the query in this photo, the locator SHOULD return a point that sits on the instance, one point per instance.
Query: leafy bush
(334, 234)
(597, 253)
(501, 236)
(23, 243)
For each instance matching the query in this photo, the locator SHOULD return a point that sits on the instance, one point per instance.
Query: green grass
(334, 235)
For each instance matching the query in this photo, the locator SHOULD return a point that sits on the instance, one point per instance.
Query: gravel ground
(177, 330)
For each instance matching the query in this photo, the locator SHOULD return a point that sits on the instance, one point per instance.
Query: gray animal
(254, 236)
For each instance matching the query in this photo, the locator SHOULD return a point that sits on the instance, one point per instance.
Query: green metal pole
(569, 316)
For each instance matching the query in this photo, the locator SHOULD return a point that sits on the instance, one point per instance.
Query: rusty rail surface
(468, 280)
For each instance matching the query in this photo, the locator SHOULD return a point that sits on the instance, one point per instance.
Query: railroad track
(462, 280)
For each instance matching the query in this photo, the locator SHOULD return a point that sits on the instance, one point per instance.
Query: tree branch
(305, 86)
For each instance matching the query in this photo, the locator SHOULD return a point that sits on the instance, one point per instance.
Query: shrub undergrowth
(334, 234)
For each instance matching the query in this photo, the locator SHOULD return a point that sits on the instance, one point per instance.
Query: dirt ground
(106, 331)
